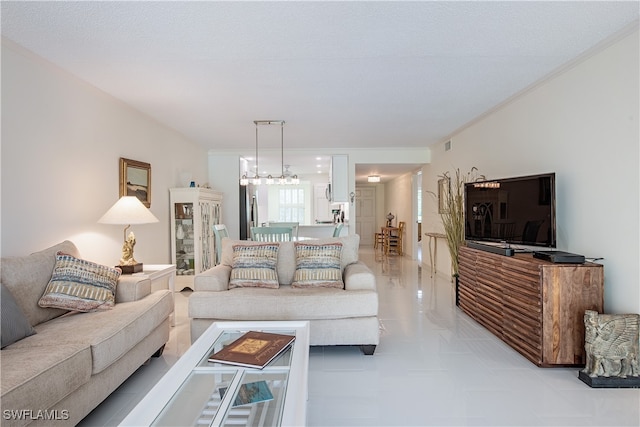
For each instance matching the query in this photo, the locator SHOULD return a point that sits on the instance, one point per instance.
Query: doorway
(365, 202)
(416, 238)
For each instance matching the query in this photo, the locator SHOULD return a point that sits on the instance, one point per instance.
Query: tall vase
(179, 232)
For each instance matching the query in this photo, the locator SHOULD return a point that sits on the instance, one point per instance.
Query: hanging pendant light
(256, 179)
(283, 179)
(269, 179)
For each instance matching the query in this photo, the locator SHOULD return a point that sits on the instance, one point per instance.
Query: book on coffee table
(250, 393)
(253, 349)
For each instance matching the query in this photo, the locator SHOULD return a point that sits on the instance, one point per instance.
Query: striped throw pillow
(80, 285)
(254, 266)
(318, 265)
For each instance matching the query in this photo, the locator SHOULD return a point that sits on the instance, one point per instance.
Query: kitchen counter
(318, 231)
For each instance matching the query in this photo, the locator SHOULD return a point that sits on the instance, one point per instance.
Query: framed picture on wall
(443, 194)
(135, 180)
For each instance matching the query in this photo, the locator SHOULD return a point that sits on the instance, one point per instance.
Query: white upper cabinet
(339, 179)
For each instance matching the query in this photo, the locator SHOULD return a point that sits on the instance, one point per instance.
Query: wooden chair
(294, 226)
(378, 240)
(337, 230)
(271, 234)
(393, 241)
(220, 231)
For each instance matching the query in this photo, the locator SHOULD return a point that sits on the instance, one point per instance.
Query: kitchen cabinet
(338, 190)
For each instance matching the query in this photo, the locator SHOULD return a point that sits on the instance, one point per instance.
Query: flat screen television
(514, 211)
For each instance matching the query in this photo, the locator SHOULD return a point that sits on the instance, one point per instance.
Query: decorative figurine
(127, 250)
(611, 344)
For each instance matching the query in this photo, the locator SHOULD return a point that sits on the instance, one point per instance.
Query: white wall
(583, 125)
(61, 144)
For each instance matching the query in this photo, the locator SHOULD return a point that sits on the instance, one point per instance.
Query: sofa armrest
(215, 279)
(132, 288)
(359, 277)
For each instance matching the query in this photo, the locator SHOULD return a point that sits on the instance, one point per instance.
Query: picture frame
(135, 180)
(443, 195)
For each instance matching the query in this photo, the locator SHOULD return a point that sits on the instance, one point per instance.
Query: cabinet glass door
(206, 213)
(185, 261)
(216, 220)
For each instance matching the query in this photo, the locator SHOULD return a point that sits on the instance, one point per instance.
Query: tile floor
(434, 366)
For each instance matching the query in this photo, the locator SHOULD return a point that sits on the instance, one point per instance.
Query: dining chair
(394, 239)
(337, 230)
(220, 231)
(293, 225)
(272, 234)
(378, 240)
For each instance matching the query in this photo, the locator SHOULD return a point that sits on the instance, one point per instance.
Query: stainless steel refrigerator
(248, 210)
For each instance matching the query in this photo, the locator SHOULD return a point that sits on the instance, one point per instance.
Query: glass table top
(208, 393)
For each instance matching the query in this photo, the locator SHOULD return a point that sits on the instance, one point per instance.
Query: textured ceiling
(342, 74)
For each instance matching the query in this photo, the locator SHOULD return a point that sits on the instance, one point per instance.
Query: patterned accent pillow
(318, 265)
(254, 266)
(80, 285)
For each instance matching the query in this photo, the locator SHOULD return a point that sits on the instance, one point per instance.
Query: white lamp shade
(128, 210)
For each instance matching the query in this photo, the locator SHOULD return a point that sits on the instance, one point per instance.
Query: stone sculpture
(611, 344)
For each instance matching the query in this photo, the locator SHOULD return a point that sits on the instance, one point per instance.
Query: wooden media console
(535, 306)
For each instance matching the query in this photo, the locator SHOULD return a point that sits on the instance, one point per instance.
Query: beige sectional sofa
(338, 316)
(58, 375)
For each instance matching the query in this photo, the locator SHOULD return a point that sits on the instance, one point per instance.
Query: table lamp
(128, 210)
(390, 218)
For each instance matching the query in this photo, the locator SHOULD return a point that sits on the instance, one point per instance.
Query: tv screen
(518, 211)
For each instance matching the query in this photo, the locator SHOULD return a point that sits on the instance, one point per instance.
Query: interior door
(366, 214)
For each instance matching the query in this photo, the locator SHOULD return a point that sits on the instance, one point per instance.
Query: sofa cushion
(254, 266)
(284, 303)
(37, 377)
(109, 333)
(27, 277)
(286, 266)
(15, 325)
(359, 277)
(215, 279)
(318, 265)
(80, 285)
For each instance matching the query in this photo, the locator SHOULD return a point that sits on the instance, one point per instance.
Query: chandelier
(285, 176)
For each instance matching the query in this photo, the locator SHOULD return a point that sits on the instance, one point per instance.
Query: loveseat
(74, 360)
(345, 314)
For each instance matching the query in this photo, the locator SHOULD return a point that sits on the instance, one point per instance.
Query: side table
(162, 276)
(433, 256)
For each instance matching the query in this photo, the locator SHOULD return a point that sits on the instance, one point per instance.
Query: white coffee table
(188, 394)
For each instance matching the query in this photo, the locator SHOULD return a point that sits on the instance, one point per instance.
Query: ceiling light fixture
(285, 176)
(373, 178)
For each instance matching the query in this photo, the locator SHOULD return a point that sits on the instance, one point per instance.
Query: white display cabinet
(194, 212)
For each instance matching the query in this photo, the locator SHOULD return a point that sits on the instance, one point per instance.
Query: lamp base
(130, 269)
